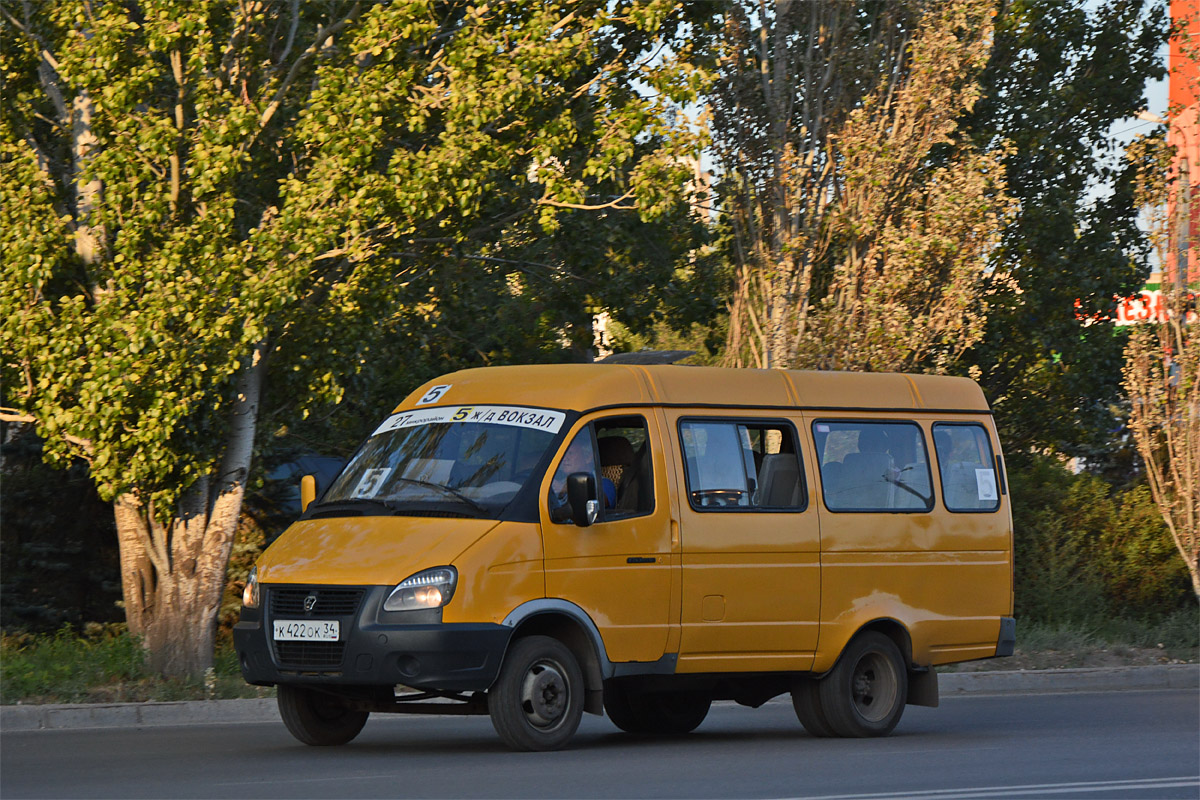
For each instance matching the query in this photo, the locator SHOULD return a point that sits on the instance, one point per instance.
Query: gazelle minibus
(538, 542)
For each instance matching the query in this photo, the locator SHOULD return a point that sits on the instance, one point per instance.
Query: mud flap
(922, 687)
(593, 701)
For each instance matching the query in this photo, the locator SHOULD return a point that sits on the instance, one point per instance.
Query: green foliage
(1177, 630)
(1142, 567)
(337, 190)
(1085, 555)
(705, 341)
(1111, 641)
(65, 665)
(102, 664)
(1060, 74)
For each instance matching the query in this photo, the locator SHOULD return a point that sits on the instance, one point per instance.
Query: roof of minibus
(581, 387)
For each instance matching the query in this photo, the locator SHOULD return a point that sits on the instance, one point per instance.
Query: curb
(1087, 679)
(951, 684)
(136, 715)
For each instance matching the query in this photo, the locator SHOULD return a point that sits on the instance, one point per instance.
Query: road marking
(1039, 789)
(276, 781)
(966, 793)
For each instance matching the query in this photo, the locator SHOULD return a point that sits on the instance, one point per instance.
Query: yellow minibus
(537, 542)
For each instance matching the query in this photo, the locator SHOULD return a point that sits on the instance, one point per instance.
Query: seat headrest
(872, 440)
(615, 450)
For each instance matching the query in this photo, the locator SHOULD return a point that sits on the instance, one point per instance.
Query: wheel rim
(874, 687)
(545, 693)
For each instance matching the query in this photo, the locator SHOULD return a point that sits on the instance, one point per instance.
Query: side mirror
(308, 491)
(581, 497)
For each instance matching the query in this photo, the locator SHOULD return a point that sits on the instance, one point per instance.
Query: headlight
(250, 593)
(430, 588)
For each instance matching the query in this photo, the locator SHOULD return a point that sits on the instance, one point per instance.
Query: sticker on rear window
(985, 483)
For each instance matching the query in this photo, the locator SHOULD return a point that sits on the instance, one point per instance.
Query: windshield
(471, 459)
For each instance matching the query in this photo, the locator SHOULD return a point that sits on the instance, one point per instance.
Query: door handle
(641, 560)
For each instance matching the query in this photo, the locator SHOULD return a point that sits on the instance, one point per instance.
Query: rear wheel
(655, 712)
(865, 693)
(318, 718)
(806, 699)
(537, 702)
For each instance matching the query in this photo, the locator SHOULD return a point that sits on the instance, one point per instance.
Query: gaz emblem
(310, 602)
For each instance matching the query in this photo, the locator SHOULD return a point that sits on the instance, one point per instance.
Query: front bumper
(375, 647)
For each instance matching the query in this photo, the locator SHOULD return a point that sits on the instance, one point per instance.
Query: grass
(104, 664)
(1102, 642)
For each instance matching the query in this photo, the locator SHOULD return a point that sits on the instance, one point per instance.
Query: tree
(1058, 77)
(862, 218)
(204, 201)
(1162, 378)
(1162, 371)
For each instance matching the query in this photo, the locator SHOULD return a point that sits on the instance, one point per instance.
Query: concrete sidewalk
(954, 684)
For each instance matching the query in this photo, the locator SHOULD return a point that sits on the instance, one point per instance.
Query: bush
(1085, 555)
(1058, 520)
(104, 664)
(66, 666)
(1143, 571)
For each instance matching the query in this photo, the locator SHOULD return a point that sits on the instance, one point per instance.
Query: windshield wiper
(910, 489)
(455, 493)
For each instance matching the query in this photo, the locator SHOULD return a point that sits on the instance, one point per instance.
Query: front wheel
(537, 702)
(318, 718)
(865, 693)
(665, 713)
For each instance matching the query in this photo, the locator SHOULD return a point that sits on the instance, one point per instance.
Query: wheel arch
(922, 680)
(570, 625)
(894, 630)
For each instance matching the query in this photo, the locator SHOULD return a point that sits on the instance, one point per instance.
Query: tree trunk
(173, 571)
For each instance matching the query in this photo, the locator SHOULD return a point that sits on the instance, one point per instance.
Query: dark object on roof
(648, 357)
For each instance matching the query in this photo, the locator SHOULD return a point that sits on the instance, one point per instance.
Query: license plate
(306, 630)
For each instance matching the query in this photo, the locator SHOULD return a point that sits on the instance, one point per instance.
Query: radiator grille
(330, 602)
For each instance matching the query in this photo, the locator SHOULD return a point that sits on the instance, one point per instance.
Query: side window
(873, 466)
(742, 465)
(621, 461)
(967, 467)
(580, 456)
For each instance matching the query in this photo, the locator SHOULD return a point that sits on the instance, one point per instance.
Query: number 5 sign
(434, 394)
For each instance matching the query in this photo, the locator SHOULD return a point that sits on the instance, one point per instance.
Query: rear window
(967, 467)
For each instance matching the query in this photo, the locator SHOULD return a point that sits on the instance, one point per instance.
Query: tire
(317, 718)
(806, 699)
(662, 713)
(537, 701)
(865, 693)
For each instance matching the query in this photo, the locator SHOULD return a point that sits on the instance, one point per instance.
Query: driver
(580, 457)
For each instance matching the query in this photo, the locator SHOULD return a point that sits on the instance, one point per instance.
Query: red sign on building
(1183, 204)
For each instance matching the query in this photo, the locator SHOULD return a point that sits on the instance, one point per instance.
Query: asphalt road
(1105, 745)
